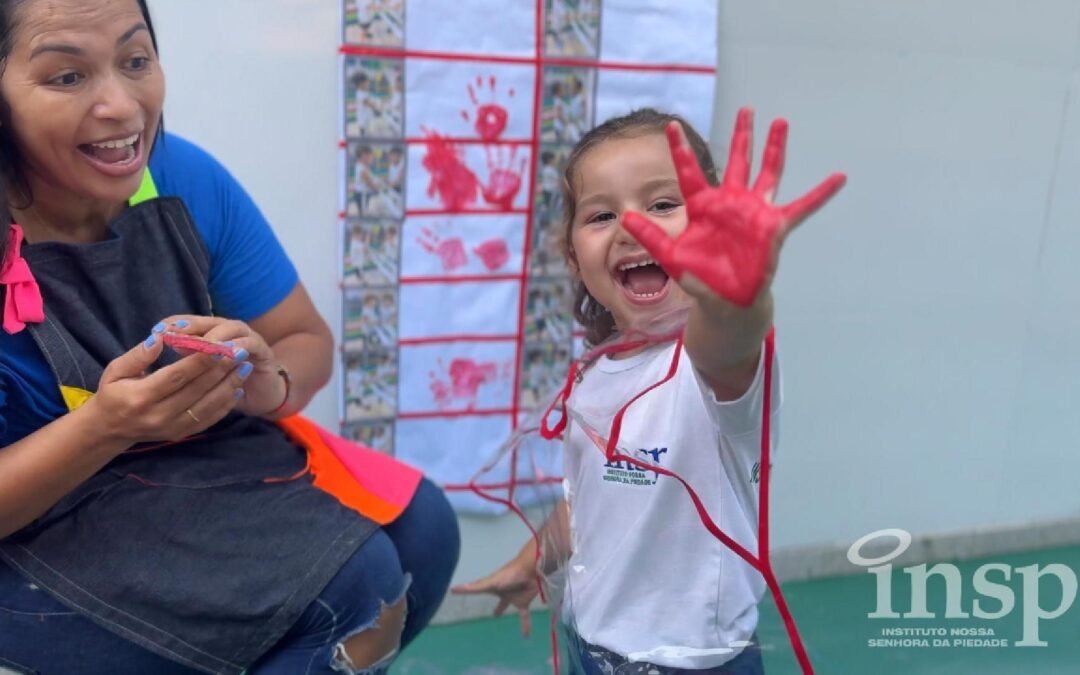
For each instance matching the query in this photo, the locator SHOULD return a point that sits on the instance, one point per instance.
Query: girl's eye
(601, 217)
(664, 206)
(67, 80)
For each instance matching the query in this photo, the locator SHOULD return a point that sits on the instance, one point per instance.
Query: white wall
(928, 318)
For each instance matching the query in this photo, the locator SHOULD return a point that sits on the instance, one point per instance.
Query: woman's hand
(174, 402)
(732, 241)
(515, 584)
(264, 387)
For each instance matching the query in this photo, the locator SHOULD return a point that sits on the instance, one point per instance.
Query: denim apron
(204, 551)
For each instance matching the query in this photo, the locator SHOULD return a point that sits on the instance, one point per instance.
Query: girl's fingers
(687, 169)
(800, 209)
(737, 172)
(772, 162)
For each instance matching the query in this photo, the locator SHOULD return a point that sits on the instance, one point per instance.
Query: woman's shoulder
(176, 160)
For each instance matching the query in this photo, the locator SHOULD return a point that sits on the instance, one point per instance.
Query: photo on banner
(371, 249)
(543, 371)
(376, 180)
(374, 97)
(376, 434)
(572, 28)
(371, 384)
(371, 318)
(567, 108)
(375, 22)
(549, 313)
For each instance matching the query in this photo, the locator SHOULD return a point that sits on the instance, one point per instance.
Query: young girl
(648, 589)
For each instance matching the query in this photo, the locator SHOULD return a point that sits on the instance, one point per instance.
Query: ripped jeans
(413, 557)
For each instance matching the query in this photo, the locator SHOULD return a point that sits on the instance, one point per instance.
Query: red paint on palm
(493, 253)
(491, 117)
(193, 343)
(734, 233)
(452, 182)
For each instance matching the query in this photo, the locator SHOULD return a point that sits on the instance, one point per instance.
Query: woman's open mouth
(117, 157)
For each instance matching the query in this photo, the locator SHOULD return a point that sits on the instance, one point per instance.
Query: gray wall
(928, 318)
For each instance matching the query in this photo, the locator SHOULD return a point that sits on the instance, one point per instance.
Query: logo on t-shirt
(755, 472)
(632, 473)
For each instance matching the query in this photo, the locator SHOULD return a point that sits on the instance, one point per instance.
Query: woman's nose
(115, 101)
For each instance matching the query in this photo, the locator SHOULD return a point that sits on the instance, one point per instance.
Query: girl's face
(617, 176)
(85, 93)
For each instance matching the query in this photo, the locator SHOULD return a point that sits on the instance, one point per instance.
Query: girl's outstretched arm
(727, 256)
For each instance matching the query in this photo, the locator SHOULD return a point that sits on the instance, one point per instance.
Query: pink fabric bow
(22, 301)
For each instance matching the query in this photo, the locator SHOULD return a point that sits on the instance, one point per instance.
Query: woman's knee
(427, 534)
(370, 650)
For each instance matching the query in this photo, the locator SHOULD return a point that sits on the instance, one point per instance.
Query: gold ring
(192, 416)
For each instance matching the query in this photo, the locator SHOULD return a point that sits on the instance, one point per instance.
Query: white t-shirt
(646, 579)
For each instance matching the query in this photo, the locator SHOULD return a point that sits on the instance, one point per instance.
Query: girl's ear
(572, 264)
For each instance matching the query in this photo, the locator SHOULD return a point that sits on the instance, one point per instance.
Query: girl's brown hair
(597, 320)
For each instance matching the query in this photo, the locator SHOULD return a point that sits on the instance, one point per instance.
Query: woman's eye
(67, 80)
(139, 63)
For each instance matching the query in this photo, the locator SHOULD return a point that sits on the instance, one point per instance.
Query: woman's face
(85, 92)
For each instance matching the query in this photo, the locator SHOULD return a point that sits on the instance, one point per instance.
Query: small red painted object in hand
(734, 234)
(193, 343)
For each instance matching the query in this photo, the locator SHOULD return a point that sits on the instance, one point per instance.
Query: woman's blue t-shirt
(249, 275)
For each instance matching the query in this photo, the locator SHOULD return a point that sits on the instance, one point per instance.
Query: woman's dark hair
(5, 222)
(17, 193)
(595, 318)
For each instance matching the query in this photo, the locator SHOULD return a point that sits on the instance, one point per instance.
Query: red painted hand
(734, 233)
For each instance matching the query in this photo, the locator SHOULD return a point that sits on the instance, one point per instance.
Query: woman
(153, 518)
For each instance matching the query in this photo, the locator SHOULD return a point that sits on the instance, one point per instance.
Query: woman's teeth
(116, 145)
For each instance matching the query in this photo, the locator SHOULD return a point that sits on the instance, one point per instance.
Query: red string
(761, 563)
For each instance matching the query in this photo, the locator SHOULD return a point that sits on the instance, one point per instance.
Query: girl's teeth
(630, 266)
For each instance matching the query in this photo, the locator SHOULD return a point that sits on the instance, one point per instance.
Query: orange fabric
(378, 487)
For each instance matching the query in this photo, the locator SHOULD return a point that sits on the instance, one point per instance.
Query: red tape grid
(356, 50)
(538, 101)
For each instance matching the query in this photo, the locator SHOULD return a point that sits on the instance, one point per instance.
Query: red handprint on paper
(451, 252)
(455, 185)
(493, 253)
(734, 234)
(491, 117)
(503, 183)
(465, 379)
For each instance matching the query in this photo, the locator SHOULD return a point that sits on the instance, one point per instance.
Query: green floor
(832, 617)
